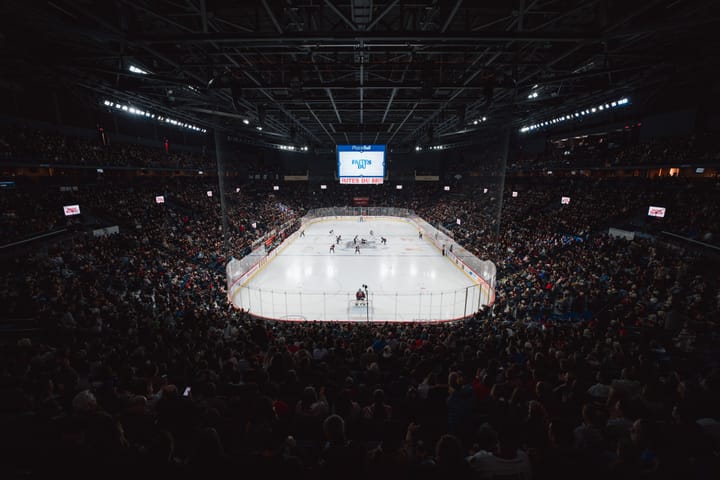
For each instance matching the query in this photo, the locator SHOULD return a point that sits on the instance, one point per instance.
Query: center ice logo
(361, 163)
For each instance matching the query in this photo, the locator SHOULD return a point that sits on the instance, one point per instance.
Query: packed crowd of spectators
(598, 359)
(27, 213)
(618, 149)
(27, 145)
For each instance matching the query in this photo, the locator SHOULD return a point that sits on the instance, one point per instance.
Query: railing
(380, 306)
(482, 271)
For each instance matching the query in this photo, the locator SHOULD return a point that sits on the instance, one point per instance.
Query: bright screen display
(656, 212)
(71, 210)
(361, 164)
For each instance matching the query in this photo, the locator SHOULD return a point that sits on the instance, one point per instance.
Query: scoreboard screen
(361, 164)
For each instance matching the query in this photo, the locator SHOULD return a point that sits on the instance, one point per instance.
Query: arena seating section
(599, 358)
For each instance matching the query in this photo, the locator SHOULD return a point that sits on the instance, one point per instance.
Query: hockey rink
(407, 278)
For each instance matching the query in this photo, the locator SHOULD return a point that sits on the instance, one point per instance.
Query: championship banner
(361, 201)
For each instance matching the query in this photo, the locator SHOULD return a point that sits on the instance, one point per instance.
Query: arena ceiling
(323, 72)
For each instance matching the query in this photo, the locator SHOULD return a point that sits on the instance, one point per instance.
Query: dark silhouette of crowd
(598, 359)
(28, 145)
(621, 149)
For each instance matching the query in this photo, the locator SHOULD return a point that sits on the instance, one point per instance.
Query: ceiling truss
(324, 72)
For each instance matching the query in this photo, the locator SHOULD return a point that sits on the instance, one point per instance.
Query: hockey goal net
(359, 309)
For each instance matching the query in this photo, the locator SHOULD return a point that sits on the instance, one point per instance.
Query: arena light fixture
(572, 115)
(135, 69)
(290, 148)
(246, 121)
(132, 110)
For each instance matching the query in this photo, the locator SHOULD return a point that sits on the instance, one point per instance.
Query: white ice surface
(408, 279)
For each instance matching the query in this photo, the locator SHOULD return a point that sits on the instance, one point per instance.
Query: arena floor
(408, 278)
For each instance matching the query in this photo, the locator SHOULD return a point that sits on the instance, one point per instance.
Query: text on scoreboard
(359, 164)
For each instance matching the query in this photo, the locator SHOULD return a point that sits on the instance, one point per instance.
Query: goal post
(360, 310)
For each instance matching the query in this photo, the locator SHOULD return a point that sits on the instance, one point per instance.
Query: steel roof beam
(450, 18)
(322, 125)
(381, 15)
(352, 39)
(332, 100)
(272, 17)
(340, 15)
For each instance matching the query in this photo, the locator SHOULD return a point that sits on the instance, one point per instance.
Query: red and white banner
(209, 193)
(565, 200)
(71, 210)
(361, 201)
(361, 180)
(656, 212)
(159, 199)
